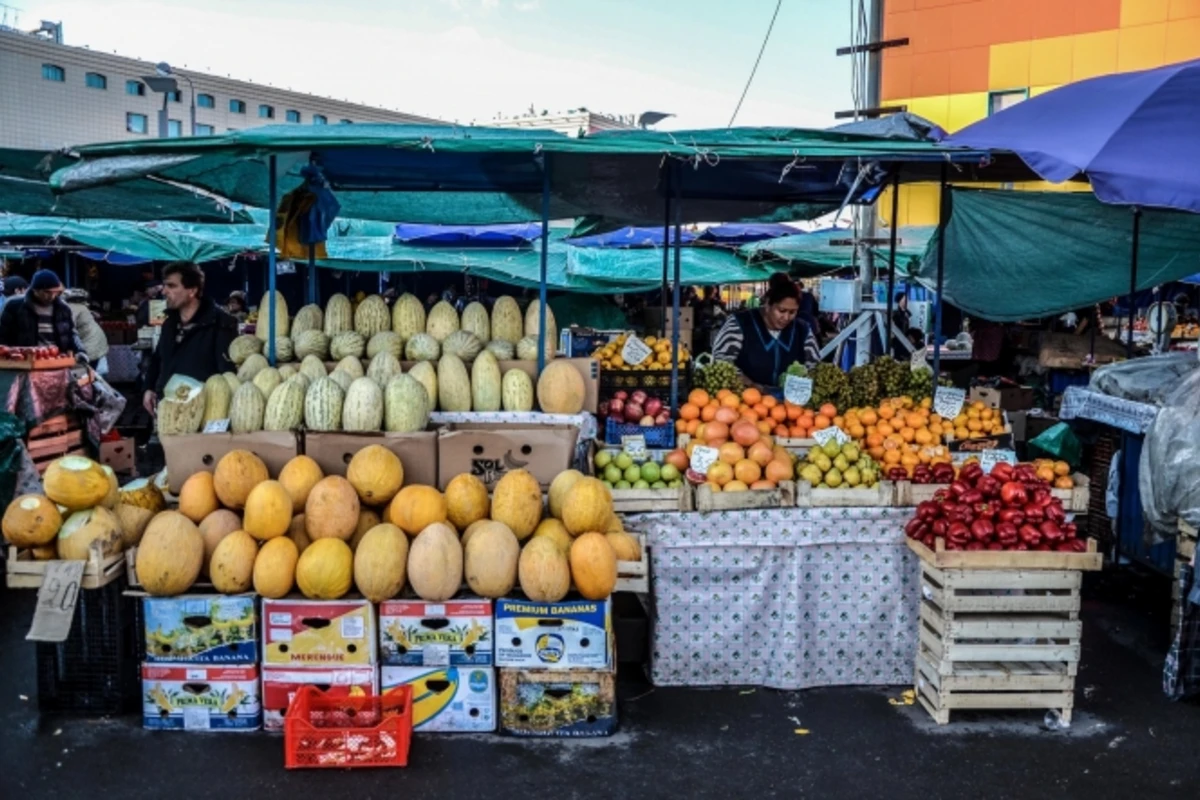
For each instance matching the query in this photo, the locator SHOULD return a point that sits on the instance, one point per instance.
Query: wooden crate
(1075, 499)
(634, 576)
(912, 494)
(782, 496)
(635, 500)
(1006, 559)
(59, 362)
(24, 572)
(881, 494)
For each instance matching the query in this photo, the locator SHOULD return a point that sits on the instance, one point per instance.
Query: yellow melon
(417, 507)
(593, 566)
(331, 510)
(490, 560)
(614, 524)
(275, 568)
(517, 502)
(215, 527)
(544, 571)
(46, 552)
(466, 501)
(31, 521)
(232, 565)
(560, 388)
(555, 531)
(299, 476)
(170, 555)
(268, 511)
(325, 569)
(236, 474)
(562, 482)
(470, 531)
(197, 497)
(376, 474)
(94, 528)
(75, 482)
(134, 520)
(114, 488)
(297, 533)
(380, 562)
(625, 546)
(367, 518)
(587, 506)
(435, 563)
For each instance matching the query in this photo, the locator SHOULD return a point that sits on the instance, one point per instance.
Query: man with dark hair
(14, 285)
(195, 336)
(41, 318)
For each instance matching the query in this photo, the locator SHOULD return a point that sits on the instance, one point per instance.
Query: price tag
(635, 351)
(703, 458)
(56, 601)
(948, 402)
(990, 458)
(797, 390)
(823, 435)
(634, 446)
(217, 426)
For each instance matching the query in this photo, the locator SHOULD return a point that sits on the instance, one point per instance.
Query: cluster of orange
(770, 415)
(900, 433)
(748, 457)
(1055, 473)
(977, 421)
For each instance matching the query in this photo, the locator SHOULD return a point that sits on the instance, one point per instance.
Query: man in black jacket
(195, 337)
(41, 318)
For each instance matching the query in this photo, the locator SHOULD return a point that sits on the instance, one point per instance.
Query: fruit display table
(787, 598)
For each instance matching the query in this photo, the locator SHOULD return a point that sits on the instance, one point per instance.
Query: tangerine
(698, 397)
(689, 411)
(829, 410)
(821, 422)
(751, 396)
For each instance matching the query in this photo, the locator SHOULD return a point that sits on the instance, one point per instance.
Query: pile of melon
(81, 511)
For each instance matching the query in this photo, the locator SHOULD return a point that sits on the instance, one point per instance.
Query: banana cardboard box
(201, 697)
(572, 634)
(280, 684)
(447, 699)
(554, 703)
(201, 629)
(318, 633)
(451, 633)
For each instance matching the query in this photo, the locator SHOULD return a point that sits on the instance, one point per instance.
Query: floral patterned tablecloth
(786, 598)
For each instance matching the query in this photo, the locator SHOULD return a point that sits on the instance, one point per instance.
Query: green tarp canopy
(1024, 255)
(811, 254)
(25, 189)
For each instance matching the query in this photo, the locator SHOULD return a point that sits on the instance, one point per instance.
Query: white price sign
(990, 458)
(703, 458)
(823, 435)
(217, 426)
(948, 402)
(56, 601)
(635, 446)
(797, 390)
(635, 351)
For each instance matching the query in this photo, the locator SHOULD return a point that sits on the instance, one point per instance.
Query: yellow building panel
(1184, 9)
(1034, 91)
(934, 109)
(1142, 12)
(1141, 47)
(1050, 60)
(965, 109)
(1095, 54)
(1183, 40)
(1008, 66)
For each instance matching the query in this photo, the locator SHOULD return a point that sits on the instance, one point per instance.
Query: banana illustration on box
(449, 698)
(314, 635)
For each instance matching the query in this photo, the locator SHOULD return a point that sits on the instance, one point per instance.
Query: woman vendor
(763, 342)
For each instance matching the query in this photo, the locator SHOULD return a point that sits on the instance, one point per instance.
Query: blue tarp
(467, 235)
(630, 238)
(116, 259)
(745, 233)
(1133, 135)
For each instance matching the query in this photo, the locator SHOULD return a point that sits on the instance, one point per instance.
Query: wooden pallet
(1006, 559)
(782, 496)
(25, 572)
(627, 501)
(881, 494)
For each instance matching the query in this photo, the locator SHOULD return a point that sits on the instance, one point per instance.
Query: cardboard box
(201, 629)
(1026, 426)
(572, 634)
(200, 452)
(420, 633)
(311, 633)
(653, 318)
(418, 452)
(201, 697)
(577, 342)
(119, 455)
(448, 699)
(280, 684)
(559, 704)
(489, 450)
(1009, 398)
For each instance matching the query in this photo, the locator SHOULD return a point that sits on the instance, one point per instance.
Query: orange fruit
(764, 427)
(720, 473)
(907, 434)
(731, 452)
(730, 400)
(723, 393)
(869, 417)
(716, 431)
(769, 401)
(839, 422)
(822, 422)
(708, 413)
(885, 429)
(886, 411)
(778, 413)
(857, 431)
(689, 411)
(747, 471)
(777, 470)
(751, 396)
(692, 425)
(698, 397)
(891, 457)
(780, 430)
(681, 426)
(829, 410)
(793, 411)
(797, 432)
(1062, 468)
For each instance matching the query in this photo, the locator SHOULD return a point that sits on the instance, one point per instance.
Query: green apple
(669, 473)
(623, 485)
(675, 484)
(658, 485)
(603, 459)
(633, 473)
(623, 460)
(612, 473)
(651, 472)
(641, 485)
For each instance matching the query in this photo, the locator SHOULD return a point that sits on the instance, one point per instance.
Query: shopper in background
(14, 286)
(195, 335)
(763, 342)
(154, 290)
(901, 324)
(236, 306)
(41, 318)
(92, 336)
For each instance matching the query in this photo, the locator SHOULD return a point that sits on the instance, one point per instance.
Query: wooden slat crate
(912, 494)
(637, 500)
(24, 572)
(881, 494)
(634, 576)
(782, 496)
(1075, 499)
(942, 558)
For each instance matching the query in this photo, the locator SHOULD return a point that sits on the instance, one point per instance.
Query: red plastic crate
(348, 732)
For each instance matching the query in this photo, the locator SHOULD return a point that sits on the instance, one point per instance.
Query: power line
(761, 50)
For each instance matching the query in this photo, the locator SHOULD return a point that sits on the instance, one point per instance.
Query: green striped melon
(532, 323)
(311, 343)
(243, 347)
(422, 347)
(485, 383)
(285, 407)
(463, 344)
(351, 366)
(408, 316)
(502, 350)
(527, 349)
(217, 397)
(425, 374)
(405, 405)
(284, 349)
(372, 316)
(507, 323)
(362, 410)
(454, 385)
(288, 370)
(247, 409)
(251, 367)
(386, 342)
(442, 321)
(313, 367)
(323, 405)
(339, 317)
(262, 328)
(516, 391)
(267, 381)
(342, 379)
(308, 318)
(300, 379)
(347, 344)
(233, 382)
(475, 319)
(383, 368)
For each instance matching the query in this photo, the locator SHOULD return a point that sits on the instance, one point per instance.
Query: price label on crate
(217, 426)
(823, 435)
(948, 402)
(634, 446)
(990, 458)
(703, 458)
(635, 351)
(56, 601)
(797, 390)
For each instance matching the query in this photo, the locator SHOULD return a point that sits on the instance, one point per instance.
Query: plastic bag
(1058, 442)
(1169, 469)
(1144, 380)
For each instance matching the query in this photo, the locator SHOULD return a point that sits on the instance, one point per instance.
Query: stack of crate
(1185, 553)
(58, 436)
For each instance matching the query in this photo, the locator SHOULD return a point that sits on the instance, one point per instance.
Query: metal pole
(544, 262)
(162, 119)
(271, 230)
(675, 297)
(943, 221)
(891, 286)
(1133, 270)
(312, 274)
(662, 298)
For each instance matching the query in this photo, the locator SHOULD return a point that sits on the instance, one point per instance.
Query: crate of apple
(636, 408)
(620, 471)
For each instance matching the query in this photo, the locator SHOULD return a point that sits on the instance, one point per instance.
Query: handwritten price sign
(635, 351)
(797, 390)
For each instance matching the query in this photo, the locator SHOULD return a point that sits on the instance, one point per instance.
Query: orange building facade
(967, 59)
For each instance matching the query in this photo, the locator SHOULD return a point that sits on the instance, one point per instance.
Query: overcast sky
(469, 60)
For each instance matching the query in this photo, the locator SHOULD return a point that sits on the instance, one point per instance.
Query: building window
(998, 101)
(320, 119)
(174, 129)
(136, 123)
(135, 88)
(293, 116)
(53, 72)
(94, 80)
(266, 112)
(345, 122)
(206, 101)
(237, 107)
(175, 96)
(204, 130)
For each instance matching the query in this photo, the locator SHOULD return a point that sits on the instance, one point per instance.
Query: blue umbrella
(1133, 135)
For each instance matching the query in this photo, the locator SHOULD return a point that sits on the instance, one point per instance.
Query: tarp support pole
(1133, 270)
(668, 177)
(312, 273)
(943, 221)
(675, 297)
(891, 290)
(543, 262)
(272, 202)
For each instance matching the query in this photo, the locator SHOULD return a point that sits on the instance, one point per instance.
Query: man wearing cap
(41, 318)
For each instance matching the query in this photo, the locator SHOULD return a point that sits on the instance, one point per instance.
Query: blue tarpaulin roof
(467, 235)
(745, 233)
(630, 238)
(110, 257)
